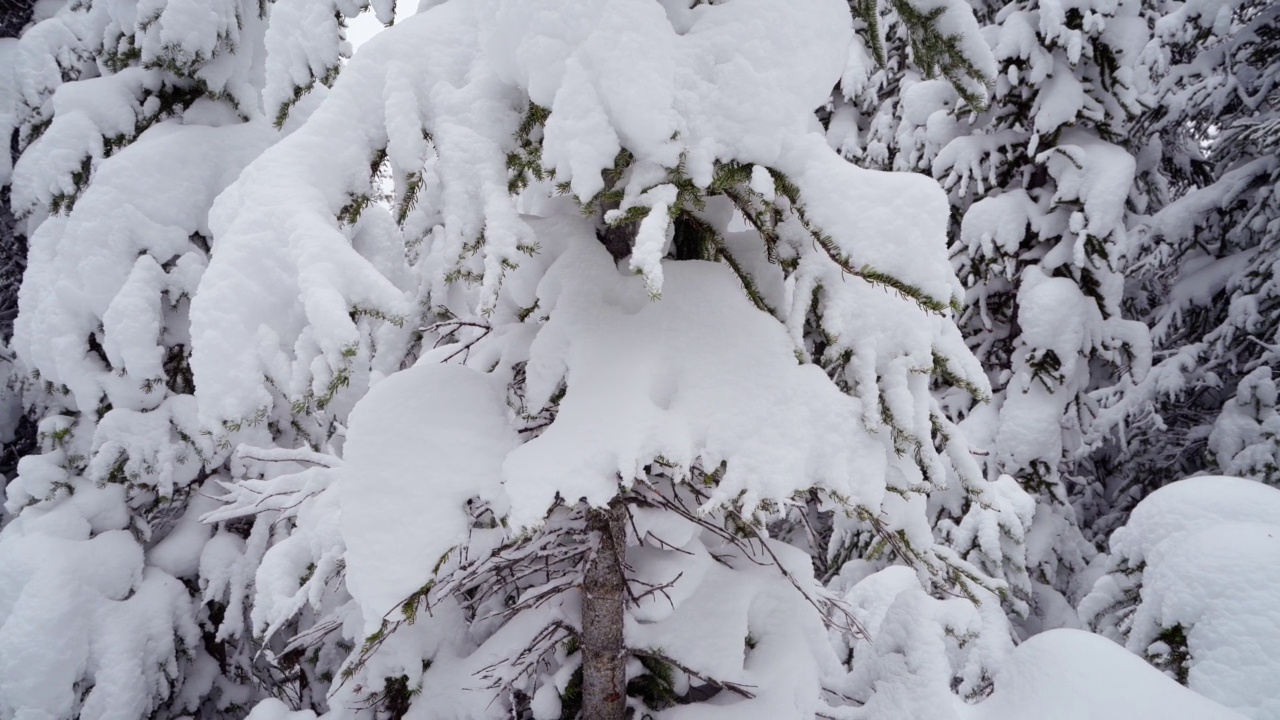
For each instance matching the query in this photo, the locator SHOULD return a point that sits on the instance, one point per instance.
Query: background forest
(643, 358)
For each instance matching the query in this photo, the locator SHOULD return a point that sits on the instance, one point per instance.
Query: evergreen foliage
(490, 282)
(602, 359)
(1206, 281)
(130, 119)
(1042, 183)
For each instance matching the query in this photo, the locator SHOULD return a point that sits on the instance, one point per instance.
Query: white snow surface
(76, 600)
(1072, 674)
(1220, 582)
(733, 82)
(1208, 550)
(910, 660)
(709, 378)
(1189, 506)
(1246, 435)
(421, 444)
(273, 709)
(718, 607)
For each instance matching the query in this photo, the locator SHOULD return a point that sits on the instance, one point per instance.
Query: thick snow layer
(1246, 436)
(741, 621)
(1189, 506)
(700, 376)
(1202, 554)
(303, 43)
(77, 601)
(284, 281)
(1095, 173)
(996, 225)
(728, 82)
(421, 444)
(955, 20)
(1071, 675)
(919, 651)
(273, 709)
(101, 267)
(734, 81)
(191, 37)
(1222, 583)
(894, 223)
(1056, 317)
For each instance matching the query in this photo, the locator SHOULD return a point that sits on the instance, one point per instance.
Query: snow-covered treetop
(646, 109)
(774, 325)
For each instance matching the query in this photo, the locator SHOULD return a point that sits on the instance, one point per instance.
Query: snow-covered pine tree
(1043, 191)
(115, 600)
(914, 72)
(1207, 281)
(129, 126)
(648, 311)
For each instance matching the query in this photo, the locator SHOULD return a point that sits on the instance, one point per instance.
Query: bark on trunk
(604, 594)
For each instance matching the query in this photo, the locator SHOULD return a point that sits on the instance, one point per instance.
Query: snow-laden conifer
(906, 57)
(1206, 281)
(1043, 185)
(677, 317)
(117, 601)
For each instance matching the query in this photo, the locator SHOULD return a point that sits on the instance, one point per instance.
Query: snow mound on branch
(924, 656)
(1246, 436)
(1222, 583)
(739, 78)
(1071, 674)
(1207, 552)
(102, 265)
(1098, 174)
(736, 82)
(743, 622)
(285, 280)
(410, 470)
(697, 377)
(1189, 506)
(273, 709)
(919, 652)
(76, 600)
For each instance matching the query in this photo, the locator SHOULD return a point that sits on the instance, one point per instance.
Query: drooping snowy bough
(1047, 190)
(656, 326)
(115, 599)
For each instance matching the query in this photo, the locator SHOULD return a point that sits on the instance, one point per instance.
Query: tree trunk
(604, 595)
